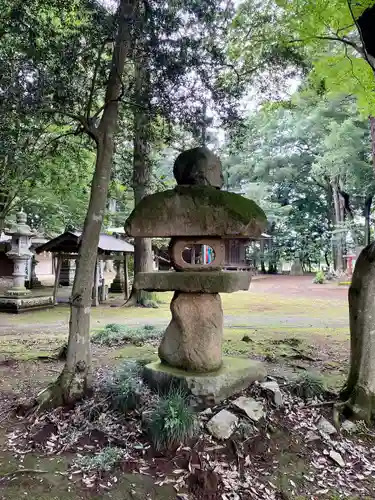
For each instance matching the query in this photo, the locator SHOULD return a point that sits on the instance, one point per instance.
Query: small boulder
(222, 425)
(246, 338)
(311, 436)
(336, 457)
(198, 166)
(253, 409)
(272, 387)
(324, 426)
(349, 426)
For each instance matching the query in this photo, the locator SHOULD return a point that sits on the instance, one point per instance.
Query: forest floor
(292, 325)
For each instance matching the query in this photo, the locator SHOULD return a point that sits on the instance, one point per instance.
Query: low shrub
(319, 278)
(125, 387)
(105, 460)
(115, 334)
(172, 421)
(308, 386)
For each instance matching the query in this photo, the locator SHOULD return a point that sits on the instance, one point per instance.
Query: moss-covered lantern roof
(196, 210)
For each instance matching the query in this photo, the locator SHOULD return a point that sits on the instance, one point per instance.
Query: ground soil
(288, 322)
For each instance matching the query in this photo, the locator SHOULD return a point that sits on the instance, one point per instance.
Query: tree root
(65, 391)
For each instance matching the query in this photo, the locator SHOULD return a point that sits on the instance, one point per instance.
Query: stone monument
(194, 214)
(17, 298)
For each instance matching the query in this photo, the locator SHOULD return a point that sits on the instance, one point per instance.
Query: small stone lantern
(197, 214)
(20, 254)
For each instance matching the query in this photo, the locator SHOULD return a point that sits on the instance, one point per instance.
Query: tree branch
(364, 51)
(90, 130)
(93, 81)
(329, 38)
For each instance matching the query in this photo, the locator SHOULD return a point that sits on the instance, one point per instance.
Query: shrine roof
(69, 242)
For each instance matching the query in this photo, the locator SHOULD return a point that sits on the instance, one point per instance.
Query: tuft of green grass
(308, 386)
(105, 460)
(125, 387)
(172, 421)
(319, 278)
(114, 334)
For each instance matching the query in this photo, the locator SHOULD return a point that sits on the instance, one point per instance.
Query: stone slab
(235, 375)
(194, 281)
(23, 304)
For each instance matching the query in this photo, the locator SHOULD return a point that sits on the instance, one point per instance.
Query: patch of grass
(172, 421)
(135, 352)
(308, 386)
(319, 278)
(105, 460)
(115, 334)
(125, 387)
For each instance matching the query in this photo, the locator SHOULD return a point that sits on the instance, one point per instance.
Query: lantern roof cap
(20, 227)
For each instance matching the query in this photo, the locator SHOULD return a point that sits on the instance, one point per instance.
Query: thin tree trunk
(338, 211)
(142, 170)
(372, 135)
(76, 378)
(367, 213)
(262, 264)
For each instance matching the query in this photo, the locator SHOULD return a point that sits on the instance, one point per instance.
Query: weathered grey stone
(311, 436)
(251, 407)
(324, 426)
(193, 338)
(191, 281)
(196, 211)
(198, 166)
(336, 457)
(222, 425)
(235, 375)
(23, 304)
(272, 387)
(207, 412)
(349, 426)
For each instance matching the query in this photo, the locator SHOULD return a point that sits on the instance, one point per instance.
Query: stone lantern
(20, 254)
(197, 214)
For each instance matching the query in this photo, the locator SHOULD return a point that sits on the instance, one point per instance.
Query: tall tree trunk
(338, 211)
(359, 390)
(262, 264)
(75, 380)
(142, 171)
(372, 135)
(367, 213)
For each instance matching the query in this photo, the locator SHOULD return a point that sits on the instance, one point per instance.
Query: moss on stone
(238, 206)
(186, 208)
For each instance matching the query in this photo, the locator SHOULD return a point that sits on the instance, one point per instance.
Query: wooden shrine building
(65, 249)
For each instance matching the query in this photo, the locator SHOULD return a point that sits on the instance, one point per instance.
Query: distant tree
(72, 58)
(314, 155)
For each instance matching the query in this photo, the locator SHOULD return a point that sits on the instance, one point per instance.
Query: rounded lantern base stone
(193, 338)
(208, 389)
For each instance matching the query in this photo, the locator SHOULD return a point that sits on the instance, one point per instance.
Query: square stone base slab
(235, 375)
(23, 304)
(193, 281)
